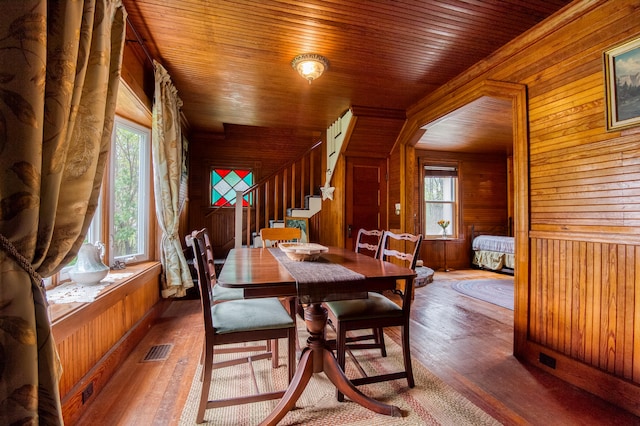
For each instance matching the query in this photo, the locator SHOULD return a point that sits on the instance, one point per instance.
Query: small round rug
(496, 291)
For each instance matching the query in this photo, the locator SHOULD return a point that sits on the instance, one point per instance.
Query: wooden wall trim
(129, 106)
(517, 94)
(615, 390)
(364, 111)
(602, 237)
(65, 325)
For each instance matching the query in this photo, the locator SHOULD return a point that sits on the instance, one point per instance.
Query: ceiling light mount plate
(310, 65)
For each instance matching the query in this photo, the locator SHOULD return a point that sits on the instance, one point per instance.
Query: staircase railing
(287, 188)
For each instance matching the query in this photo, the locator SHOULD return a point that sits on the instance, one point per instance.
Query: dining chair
(378, 312)
(223, 294)
(271, 237)
(234, 322)
(368, 242)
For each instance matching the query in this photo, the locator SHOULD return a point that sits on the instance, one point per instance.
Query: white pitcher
(89, 268)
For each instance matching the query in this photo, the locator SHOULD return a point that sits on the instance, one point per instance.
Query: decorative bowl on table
(303, 251)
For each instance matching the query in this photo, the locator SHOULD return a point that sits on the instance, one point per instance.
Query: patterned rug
(496, 291)
(430, 402)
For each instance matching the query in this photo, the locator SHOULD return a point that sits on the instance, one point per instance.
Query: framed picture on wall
(298, 222)
(622, 75)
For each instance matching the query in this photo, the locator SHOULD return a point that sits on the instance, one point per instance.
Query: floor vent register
(158, 353)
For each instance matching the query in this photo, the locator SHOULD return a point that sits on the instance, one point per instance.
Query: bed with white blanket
(494, 252)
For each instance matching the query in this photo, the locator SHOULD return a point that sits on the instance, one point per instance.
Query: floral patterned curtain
(168, 151)
(59, 73)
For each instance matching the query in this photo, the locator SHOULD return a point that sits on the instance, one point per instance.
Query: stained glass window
(225, 183)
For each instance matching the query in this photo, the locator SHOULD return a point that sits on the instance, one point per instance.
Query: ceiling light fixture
(310, 65)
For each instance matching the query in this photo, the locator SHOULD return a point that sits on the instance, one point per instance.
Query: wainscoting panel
(95, 337)
(585, 303)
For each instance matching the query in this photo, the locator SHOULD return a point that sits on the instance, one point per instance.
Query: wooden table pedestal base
(316, 357)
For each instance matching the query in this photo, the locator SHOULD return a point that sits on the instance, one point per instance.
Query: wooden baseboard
(620, 392)
(74, 403)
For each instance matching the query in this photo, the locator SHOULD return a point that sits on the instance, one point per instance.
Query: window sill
(66, 315)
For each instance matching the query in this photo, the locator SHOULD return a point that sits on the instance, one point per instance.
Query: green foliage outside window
(126, 192)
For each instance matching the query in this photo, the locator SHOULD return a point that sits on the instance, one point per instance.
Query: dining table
(335, 274)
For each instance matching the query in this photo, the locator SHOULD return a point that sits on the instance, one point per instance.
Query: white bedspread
(494, 243)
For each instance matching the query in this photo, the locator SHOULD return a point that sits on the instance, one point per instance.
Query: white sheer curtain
(168, 151)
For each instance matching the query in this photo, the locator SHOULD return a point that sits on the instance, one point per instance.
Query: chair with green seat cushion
(224, 294)
(233, 322)
(377, 312)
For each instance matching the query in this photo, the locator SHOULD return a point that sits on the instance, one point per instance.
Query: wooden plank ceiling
(230, 60)
(482, 126)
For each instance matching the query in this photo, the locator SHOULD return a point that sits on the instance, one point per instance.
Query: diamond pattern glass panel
(225, 183)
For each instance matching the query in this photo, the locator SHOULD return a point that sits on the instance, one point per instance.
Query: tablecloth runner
(320, 280)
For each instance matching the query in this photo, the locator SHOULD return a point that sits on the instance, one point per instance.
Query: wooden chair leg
(203, 355)
(206, 382)
(406, 352)
(379, 333)
(341, 352)
(291, 360)
(275, 360)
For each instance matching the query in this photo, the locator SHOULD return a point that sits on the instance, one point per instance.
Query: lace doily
(73, 292)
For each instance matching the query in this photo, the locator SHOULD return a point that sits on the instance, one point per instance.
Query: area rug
(496, 291)
(430, 402)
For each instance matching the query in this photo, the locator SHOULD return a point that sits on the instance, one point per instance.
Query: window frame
(451, 170)
(144, 215)
(100, 229)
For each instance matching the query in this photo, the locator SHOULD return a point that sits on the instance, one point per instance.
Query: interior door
(366, 196)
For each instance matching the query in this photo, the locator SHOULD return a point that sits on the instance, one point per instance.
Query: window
(126, 199)
(225, 182)
(441, 199)
(129, 192)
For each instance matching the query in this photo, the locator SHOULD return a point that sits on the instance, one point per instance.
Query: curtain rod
(141, 43)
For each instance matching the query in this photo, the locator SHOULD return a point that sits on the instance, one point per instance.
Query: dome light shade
(310, 65)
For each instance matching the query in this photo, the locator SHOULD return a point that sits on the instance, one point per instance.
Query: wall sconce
(398, 209)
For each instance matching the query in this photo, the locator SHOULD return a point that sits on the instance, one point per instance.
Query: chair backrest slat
(368, 242)
(410, 257)
(211, 265)
(198, 241)
(279, 235)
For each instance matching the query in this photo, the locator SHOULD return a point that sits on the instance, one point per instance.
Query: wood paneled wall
(578, 305)
(395, 193)
(583, 294)
(483, 186)
(332, 228)
(263, 150)
(94, 338)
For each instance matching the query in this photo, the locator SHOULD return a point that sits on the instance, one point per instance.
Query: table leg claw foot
(337, 377)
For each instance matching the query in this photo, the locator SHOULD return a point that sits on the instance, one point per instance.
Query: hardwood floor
(464, 341)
